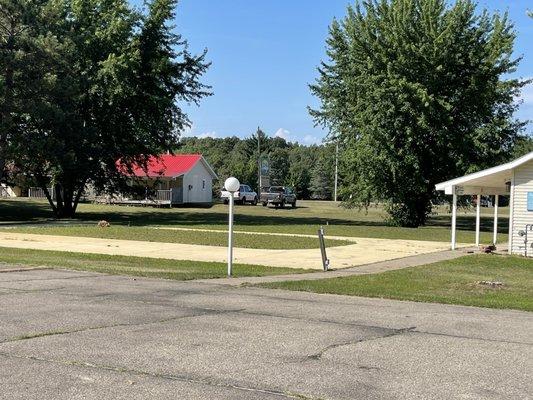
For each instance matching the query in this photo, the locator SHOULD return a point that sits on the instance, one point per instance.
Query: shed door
(196, 189)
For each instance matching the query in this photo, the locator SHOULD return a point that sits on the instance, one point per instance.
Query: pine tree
(321, 185)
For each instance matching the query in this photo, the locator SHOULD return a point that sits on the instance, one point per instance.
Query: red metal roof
(168, 165)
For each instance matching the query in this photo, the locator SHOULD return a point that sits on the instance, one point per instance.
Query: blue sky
(265, 53)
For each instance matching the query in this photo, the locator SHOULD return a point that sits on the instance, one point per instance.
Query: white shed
(514, 179)
(9, 191)
(179, 179)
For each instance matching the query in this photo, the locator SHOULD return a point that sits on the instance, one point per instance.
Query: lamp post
(232, 185)
(336, 169)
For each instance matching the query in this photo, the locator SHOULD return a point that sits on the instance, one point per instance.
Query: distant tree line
(308, 169)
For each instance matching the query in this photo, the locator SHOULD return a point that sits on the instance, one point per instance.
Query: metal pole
(454, 218)
(325, 260)
(478, 218)
(336, 169)
(230, 235)
(259, 162)
(495, 234)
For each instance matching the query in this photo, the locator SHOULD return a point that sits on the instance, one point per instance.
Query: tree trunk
(2, 165)
(77, 198)
(65, 204)
(68, 209)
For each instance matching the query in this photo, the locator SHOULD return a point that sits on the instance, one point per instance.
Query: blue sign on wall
(530, 201)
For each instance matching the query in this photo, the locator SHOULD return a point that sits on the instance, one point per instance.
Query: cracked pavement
(76, 335)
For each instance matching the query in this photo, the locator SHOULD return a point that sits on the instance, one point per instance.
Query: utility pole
(259, 161)
(336, 169)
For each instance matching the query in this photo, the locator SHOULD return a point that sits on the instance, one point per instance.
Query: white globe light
(232, 184)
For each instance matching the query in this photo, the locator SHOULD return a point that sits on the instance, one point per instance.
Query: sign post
(325, 260)
(264, 172)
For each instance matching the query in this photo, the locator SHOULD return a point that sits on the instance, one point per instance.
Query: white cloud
(188, 132)
(527, 95)
(282, 133)
(310, 139)
(204, 135)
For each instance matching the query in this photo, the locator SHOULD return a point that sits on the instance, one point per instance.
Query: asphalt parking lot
(74, 335)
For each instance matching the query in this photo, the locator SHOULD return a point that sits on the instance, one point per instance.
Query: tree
(417, 92)
(21, 86)
(114, 83)
(322, 175)
(301, 162)
(279, 165)
(292, 164)
(523, 146)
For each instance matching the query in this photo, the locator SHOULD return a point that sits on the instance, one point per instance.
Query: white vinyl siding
(523, 183)
(199, 192)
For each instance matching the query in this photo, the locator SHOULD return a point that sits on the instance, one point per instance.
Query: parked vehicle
(243, 196)
(278, 196)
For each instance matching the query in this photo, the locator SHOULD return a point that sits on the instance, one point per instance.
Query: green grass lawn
(187, 237)
(450, 282)
(306, 219)
(135, 266)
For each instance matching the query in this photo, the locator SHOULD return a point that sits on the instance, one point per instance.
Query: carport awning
(486, 182)
(490, 181)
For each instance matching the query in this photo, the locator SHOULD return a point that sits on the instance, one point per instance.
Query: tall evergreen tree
(322, 174)
(24, 65)
(114, 87)
(417, 92)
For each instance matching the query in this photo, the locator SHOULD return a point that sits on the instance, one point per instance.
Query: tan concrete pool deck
(362, 251)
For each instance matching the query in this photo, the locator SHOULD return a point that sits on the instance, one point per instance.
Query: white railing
(38, 193)
(172, 196)
(163, 196)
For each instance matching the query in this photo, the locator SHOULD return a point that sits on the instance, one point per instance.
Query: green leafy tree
(279, 165)
(114, 84)
(301, 162)
(417, 92)
(322, 175)
(523, 146)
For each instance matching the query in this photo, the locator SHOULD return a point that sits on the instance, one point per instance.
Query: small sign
(265, 182)
(530, 201)
(459, 190)
(265, 167)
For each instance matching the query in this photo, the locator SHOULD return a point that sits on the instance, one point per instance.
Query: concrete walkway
(362, 251)
(372, 268)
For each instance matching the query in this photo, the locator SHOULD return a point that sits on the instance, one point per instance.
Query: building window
(203, 184)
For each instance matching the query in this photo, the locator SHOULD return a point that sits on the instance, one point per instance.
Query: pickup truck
(278, 196)
(243, 195)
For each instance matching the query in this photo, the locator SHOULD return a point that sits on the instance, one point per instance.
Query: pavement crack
(58, 332)
(316, 320)
(207, 381)
(394, 332)
(449, 335)
(17, 290)
(52, 279)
